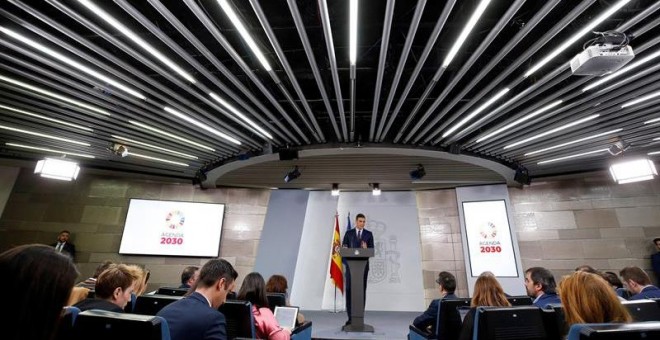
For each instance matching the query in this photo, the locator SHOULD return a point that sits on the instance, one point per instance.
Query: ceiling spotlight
(418, 173)
(54, 168)
(119, 150)
(633, 170)
(618, 147)
(375, 189)
(335, 189)
(291, 175)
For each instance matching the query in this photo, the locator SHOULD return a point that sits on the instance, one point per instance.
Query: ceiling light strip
(465, 32)
(576, 36)
(46, 118)
(49, 150)
(641, 99)
(620, 72)
(54, 95)
(653, 153)
(476, 112)
(71, 62)
(171, 135)
(352, 29)
(175, 153)
(577, 122)
(202, 125)
(519, 121)
(241, 115)
(244, 33)
(124, 30)
(156, 159)
(654, 120)
(38, 134)
(572, 156)
(573, 142)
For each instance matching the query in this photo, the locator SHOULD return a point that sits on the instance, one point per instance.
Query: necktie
(359, 235)
(59, 247)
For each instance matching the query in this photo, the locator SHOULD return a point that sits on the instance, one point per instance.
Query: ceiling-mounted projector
(598, 60)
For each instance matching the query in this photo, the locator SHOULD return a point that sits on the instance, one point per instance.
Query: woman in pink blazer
(254, 290)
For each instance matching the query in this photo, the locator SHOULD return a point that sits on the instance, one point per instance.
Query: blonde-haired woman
(487, 292)
(588, 298)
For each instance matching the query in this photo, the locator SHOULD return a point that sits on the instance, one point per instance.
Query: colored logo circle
(175, 219)
(488, 231)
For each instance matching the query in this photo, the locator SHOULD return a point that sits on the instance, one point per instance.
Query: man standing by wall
(64, 246)
(357, 237)
(655, 260)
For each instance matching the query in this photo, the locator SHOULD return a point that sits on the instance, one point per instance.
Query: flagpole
(335, 301)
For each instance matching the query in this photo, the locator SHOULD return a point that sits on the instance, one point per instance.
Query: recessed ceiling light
(352, 31)
(641, 99)
(476, 112)
(572, 156)
(39, 134)
(519, 121)
(543, 134)
(130, 153)
(241, 115)
(244, 33)
(464, 33)
(202, 125)
(62, 152)
(58, 121)
(171, 135)
(572, 142)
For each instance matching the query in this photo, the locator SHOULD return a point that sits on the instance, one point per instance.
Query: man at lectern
(357, 237)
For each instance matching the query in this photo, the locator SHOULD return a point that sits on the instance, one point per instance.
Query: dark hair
(116, 276)
(447, 281)
(360, 215)
(635, 274)
(586, 268)
(276, 284)
(612, 279)
(543, 277)
(187, 273)
(655, 240)
(38, 283)
(215, 270)
(253, 289)
(101, 268)
(64, 231)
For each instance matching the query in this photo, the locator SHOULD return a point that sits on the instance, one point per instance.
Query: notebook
(286, 316)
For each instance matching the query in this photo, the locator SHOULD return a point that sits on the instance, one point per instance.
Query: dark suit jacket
(430, 316)
(92, 303)
(351, 240)
(655, 262)
(192, 318)
(650, 292)
(69, 248)
(546, 299)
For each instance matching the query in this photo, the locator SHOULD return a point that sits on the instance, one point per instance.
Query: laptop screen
(286, 316)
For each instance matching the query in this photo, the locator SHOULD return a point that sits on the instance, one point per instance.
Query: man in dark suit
(540, 286)
(639, 283)
(113, 290)
(64, 246)
(196, 316)
(447, 285)
(189, 276)
(357, 237)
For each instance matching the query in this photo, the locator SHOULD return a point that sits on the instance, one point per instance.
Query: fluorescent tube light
(241, 115)
(202, 125)
(519, 121)
(60, 169)
(653, 153)
(464, 33)
(62, 152)
(352, 31)
(244, 33)
(543, 134)
(635, 170)
(175, 153)
(576, 36)
(171, 135)
(476, 112)
(641, 99)
(572, 142)
(38, 134)
(71, 62)
(571, 156)
(626, 69)
(54, 95)
(125, 31)
(61, 122)
(130, 153)
(652, 120)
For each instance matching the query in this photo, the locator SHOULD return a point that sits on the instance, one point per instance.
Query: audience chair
(172, 291)
(302, 332)
(522, 300)
(130, 306)
(554, 321)
(240, 322)
(276, 299)
(615, 331)
(65, 326)
(103, 325)
(643, 310)
(152, 304)
(519, 322)
(448, 323)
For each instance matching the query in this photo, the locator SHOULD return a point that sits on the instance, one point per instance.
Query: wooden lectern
(357, 259)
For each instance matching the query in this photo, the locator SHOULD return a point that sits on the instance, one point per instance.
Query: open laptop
(286, 316)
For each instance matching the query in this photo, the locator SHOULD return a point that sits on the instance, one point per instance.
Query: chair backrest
(519, 322)
(172, 291)
(152, 304)
(104, 325)
(67, 320)
(240, 321)
(448, 324)
(275, 300)
(522, 300)
(615, 331)
(643, 310)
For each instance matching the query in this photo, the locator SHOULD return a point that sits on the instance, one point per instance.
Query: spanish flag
(336, 271)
